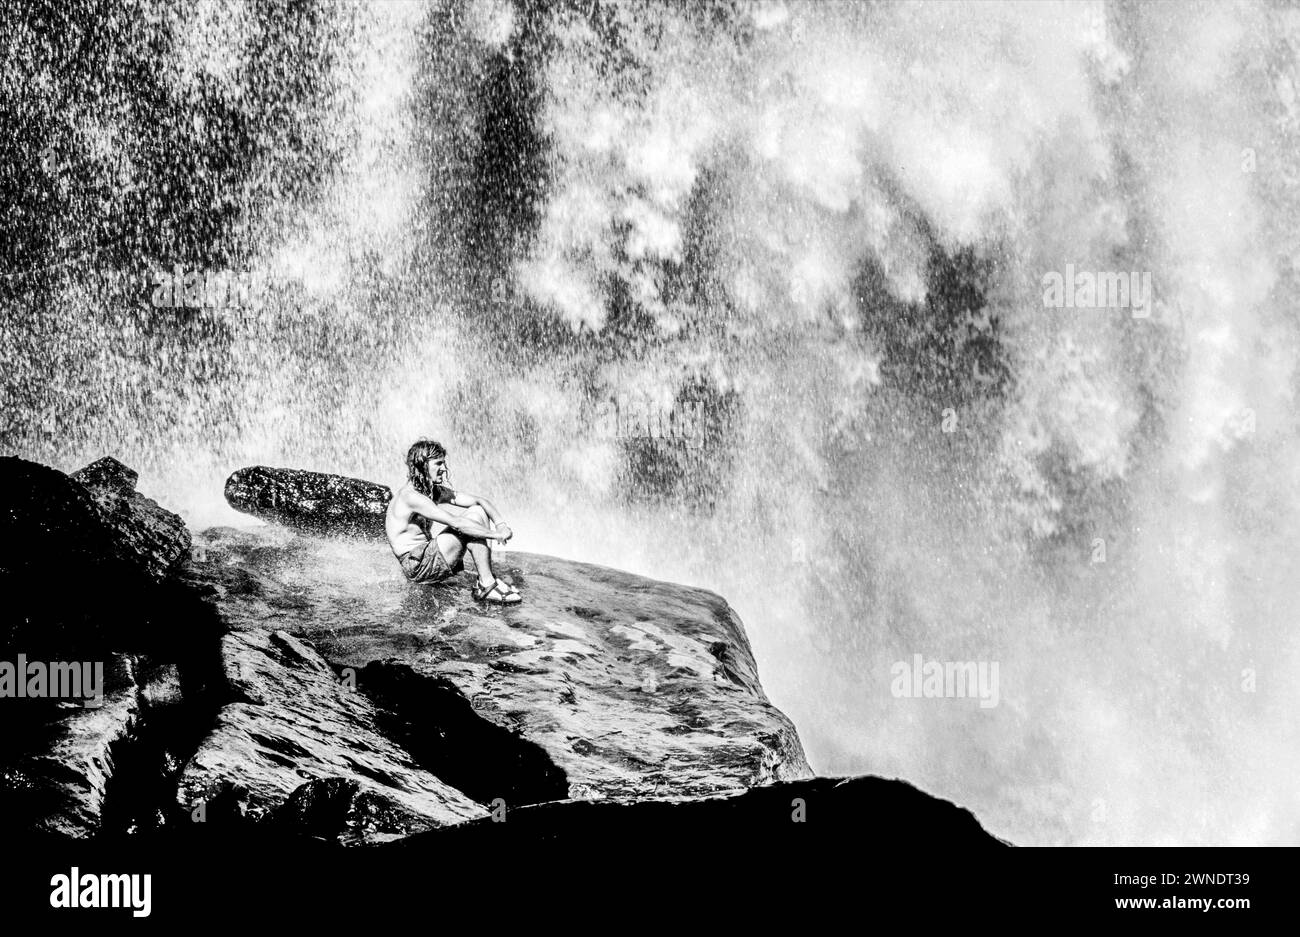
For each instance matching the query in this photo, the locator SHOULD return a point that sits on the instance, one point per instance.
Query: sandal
(499, 593)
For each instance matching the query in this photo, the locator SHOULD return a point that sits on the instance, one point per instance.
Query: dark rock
(338, 809)
(310, 501)
(145, 534)
(601, 684)
(439, 726)
(140, 793)
(830, 817)
(114, 544)
(294, 719)
(59, 784)
(86, 575)
(108, 473)
(52, 533)
(160, 684)
(63, 760)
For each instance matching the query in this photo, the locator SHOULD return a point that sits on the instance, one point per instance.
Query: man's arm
(463, 500)
(425, 507)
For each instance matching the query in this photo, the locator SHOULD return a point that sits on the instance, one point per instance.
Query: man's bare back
(406, 529)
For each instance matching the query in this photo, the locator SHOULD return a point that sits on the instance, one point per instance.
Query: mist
(823, 229)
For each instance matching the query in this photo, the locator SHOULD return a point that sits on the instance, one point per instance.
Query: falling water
(820, 232)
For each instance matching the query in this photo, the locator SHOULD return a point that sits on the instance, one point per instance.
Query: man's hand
(503, 532)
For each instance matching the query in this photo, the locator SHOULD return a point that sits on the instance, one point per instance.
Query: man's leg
(454, 545)
(481, 550)
(452, 548)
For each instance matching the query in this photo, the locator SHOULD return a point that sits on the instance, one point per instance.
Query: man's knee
(477, 515)
(451, 543)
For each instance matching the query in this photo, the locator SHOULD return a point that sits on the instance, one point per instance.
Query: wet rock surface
(59, 784)
(65, 756)
(293, 719)
(341, 810)
(625, 687)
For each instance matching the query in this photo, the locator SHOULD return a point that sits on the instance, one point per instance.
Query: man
(430, 527)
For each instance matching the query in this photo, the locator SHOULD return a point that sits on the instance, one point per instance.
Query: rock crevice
(441, 730)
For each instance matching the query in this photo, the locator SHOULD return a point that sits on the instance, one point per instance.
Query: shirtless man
(430, 527)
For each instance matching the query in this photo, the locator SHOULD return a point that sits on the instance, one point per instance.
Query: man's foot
(498, 593)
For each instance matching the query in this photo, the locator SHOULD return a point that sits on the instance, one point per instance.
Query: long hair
(417, 464)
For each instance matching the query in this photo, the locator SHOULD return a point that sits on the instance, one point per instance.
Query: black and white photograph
(649, 461)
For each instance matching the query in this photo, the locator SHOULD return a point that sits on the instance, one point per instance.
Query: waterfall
(747, 296)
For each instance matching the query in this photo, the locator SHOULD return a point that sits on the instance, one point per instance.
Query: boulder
(116, 546)
(144, 534)
(294, 719)
(310, 501)
(602, 684)
(108, 474)
(86, 570)
(51, 531)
